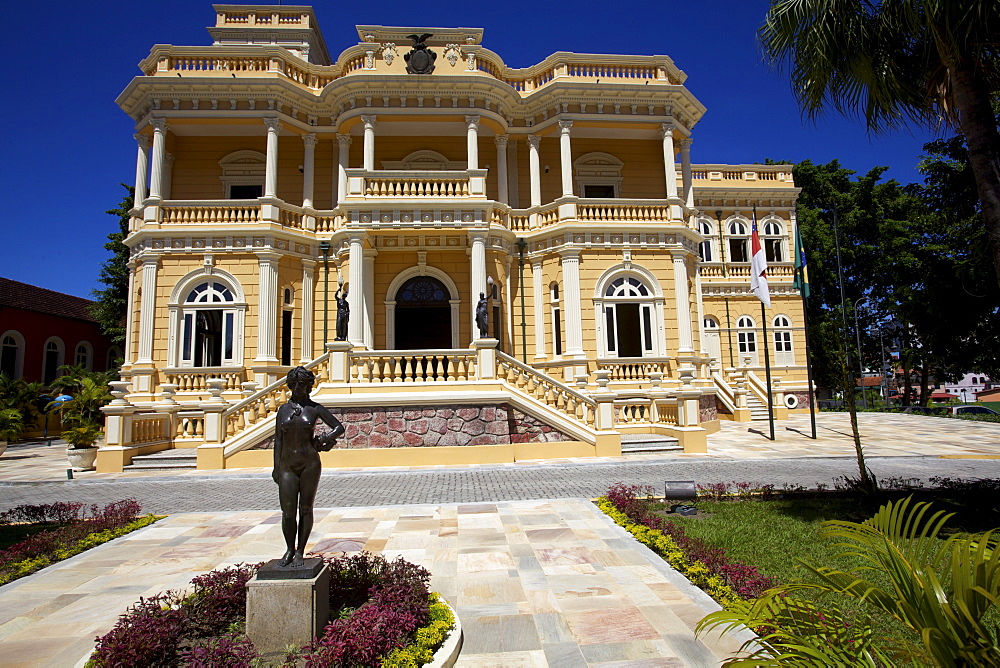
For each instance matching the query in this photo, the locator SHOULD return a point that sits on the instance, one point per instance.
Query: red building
(42, 329)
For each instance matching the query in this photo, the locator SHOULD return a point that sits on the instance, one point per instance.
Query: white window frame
(397, 283)
(738, 229)
(19, 351)
(88, 351)
(180, 308)
(242, 168)
(60, 358)
(598, 169)
(782, 341)
(706, 229)
(650, 311)
(772, 231)
(746, 339)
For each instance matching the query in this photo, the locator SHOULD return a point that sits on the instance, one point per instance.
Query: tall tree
(897, 61)
(111, 303)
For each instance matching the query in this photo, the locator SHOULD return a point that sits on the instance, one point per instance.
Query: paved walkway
(536, 581)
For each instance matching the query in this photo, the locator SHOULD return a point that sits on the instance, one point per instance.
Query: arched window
(746, 338)
(243, 175)
(207, 312)
(628, 314)
(705, 247)
(713, 342)
(423, 314)
(114, 357)
(556, 318)
(783, 354)
(773, 241)
(84, 355)
(12, 354)
(54, 356)
(739, 245)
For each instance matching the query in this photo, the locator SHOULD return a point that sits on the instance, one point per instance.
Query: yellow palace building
(416, 171)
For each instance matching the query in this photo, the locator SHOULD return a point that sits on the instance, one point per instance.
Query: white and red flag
(758, 269)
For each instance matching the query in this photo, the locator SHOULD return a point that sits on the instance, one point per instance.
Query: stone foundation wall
(708, 408)
(429, 426)
(719, 406)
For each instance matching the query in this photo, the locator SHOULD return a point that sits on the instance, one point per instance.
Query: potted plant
(11, 426)
(81, 438)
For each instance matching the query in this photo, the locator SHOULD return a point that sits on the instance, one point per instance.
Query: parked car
(923, 410)
(972, 410)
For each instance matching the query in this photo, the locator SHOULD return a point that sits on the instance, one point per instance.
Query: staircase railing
(547, 390)
(724, 391)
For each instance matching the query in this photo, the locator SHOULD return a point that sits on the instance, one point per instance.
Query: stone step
(646, 443)
(166, 460)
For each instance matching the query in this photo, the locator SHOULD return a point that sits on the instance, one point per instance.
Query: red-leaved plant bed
(633, 501)
(71, 523)
(377, 607)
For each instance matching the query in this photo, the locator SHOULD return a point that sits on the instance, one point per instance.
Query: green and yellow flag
(801, 269)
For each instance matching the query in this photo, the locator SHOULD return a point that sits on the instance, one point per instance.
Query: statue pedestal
(287, 606)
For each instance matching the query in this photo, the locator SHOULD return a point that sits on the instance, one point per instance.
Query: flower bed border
(695, 571)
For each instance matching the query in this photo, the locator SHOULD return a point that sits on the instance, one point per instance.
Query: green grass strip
(695, 571)
(28, 566)
(429, 638)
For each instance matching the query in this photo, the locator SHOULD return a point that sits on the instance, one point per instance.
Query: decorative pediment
(426, 161)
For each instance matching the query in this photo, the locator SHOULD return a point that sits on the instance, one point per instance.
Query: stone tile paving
(535, 583)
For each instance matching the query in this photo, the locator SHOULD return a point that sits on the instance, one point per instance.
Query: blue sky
(66, 146)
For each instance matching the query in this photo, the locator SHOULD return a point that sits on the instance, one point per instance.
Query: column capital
(685, 143)
(569, 253)
(472, 120)
(150, 259)
(169, 158)
(564, 126)
(344, 140)
(267, 257)
(272, 123)
(369, 120)
(309, 139)
(144, 140)
(533, 141)
(500, 140)
(667, 129)
(308, 263)
(679, 254)
(159, 124)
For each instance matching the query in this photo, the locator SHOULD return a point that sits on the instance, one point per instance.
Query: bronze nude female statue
(296, 461)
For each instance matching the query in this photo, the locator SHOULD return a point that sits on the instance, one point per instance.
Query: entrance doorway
(423, 315)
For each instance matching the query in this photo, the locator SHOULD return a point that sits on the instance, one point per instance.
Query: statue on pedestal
(296, 461)
(482, 316)
(343, 314)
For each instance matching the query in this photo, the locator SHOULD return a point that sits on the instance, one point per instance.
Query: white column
(566, 157)
(271, 166)
(534, 171)
(472, 140)
(127, 355)
(477, 276)
(538, 306)
(356, 290)
(308, 167)
(147, 308)
(670, 167)
(570, 262)
(267, 308)
(344, 142)
(141, 166)
(688, 190)
(369, 162)
(682, 302)
(168, 175)
(369, 283)
(501, 143)
(308, 309)
(159, 149)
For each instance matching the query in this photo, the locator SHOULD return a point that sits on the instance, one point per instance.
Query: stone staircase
(180, 459)
(644, 444)
(758, 409)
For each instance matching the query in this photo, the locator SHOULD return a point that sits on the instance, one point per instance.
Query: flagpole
(809, 373)
(767, 371)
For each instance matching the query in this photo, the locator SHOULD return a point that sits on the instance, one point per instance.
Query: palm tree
(896, 61)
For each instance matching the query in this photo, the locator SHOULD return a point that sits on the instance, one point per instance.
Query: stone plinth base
(287, 606)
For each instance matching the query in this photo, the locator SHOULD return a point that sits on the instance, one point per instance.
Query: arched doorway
(423, 315)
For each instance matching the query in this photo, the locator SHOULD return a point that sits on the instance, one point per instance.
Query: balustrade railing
(189, 426)
(548, 391)
(413, 366)
(626, 370)
(193, 213)
(641, 411)
(589, 210)
(148, 428)
(195, 380)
